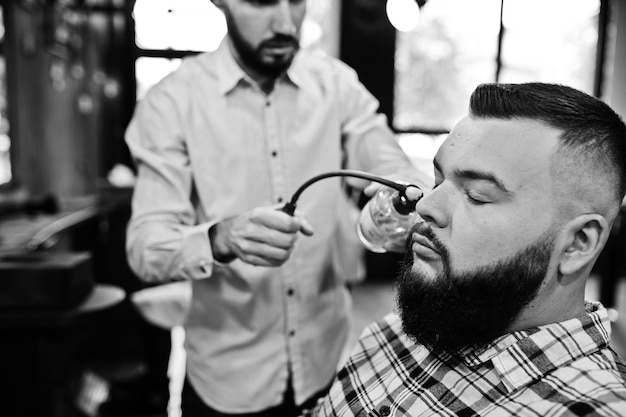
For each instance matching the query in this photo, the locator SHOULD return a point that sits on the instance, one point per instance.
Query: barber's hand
(263, 236)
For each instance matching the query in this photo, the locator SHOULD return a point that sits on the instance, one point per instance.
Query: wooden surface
(18, 231)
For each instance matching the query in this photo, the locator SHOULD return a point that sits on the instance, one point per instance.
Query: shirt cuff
(198, 253)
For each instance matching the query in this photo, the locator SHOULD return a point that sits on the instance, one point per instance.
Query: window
(5, 141)
(459, 44)
(167, 30)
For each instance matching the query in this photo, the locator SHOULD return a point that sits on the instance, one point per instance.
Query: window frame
(604, 18)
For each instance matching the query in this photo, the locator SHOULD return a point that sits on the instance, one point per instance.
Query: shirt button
(290, 292)
(385, 411)
(280, 199)
(274, 153)
(292, 333)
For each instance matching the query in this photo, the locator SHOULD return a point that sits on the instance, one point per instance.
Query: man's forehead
(513, 148)
(476, 138)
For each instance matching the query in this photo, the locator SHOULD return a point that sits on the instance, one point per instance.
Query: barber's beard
(454, 310)
(252, 57)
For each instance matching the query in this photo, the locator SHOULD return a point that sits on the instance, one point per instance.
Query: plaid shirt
(560, 369)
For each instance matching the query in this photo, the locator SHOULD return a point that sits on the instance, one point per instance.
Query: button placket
(273, 137)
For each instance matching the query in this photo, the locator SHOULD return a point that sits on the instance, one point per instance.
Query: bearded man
(492, 318)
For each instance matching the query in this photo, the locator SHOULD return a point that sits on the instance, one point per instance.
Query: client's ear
(584, 238)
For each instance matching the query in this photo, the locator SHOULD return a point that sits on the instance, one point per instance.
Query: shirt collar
(230, 74)
(522, 357)
(298, 73)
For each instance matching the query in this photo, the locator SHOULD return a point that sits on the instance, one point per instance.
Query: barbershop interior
(81, 335)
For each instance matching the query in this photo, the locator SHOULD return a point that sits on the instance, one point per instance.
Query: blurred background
(71, 72)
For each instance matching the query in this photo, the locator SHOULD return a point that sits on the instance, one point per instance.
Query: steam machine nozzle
(290, 207)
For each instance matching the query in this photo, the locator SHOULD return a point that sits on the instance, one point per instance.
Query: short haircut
(590, 128)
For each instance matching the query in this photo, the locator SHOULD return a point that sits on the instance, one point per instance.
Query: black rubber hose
(290, 207)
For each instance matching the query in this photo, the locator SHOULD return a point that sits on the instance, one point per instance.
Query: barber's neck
(266, 85)
(264, 82)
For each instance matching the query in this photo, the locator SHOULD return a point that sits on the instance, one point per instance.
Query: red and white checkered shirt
(560, 369)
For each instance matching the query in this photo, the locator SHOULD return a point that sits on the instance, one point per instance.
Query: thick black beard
(251, 56)
(455, 310)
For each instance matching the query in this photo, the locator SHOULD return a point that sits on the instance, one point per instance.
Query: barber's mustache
(280, 41)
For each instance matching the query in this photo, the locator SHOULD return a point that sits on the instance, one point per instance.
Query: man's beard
(251, 57)
(454, 310)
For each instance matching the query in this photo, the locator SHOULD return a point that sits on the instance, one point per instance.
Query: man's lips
(423, 246)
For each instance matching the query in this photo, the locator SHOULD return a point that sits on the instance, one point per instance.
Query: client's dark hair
(590, 127)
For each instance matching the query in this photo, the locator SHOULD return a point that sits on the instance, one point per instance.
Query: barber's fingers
(263, 254)
(273, 218)
(300, 223)
(266, 225)
(372, 188)
(266, 236)
(305, 227)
